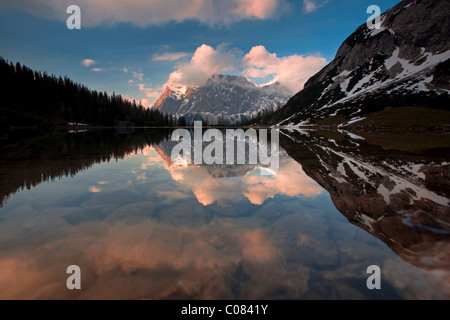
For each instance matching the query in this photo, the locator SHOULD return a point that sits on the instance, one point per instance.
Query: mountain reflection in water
(141, 227)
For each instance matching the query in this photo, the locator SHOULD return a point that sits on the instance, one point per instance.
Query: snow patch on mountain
(400, 69)
(223, 100)
(407, 58)
(400, 183)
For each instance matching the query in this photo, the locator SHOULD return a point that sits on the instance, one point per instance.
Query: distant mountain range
(404, 63)
(223, 99)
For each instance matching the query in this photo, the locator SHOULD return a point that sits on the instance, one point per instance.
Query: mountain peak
(224, 99)
(407, 57)
(167, 93)
(221, 79)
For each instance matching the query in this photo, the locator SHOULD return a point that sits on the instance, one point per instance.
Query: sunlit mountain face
(140, 226)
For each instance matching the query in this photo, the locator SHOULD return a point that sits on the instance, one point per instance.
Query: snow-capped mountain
(224, 99)
(406, 62)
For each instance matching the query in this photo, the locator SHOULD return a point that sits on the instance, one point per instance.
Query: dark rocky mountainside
(404, 202)
(404, 63)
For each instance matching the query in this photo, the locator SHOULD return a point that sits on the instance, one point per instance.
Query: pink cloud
(206, 188)
(146, 103)
(259, 65)
(149, 92)
(257, 246)
(94, 189)
(156, 12)
(87, 62)
(198, 259)
(290, 180)
(261, 9)
(292, 71)
(151, 95)
(205, 62)
(312, 5)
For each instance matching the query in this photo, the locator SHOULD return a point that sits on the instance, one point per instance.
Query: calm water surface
(141, 227)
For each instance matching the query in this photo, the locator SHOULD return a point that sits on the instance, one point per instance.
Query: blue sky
(136, 47)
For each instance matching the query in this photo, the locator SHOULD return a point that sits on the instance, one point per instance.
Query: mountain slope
(406, 62)
(224, 99)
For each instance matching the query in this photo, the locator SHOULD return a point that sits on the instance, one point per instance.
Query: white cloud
(87, 62)
(290, 180)
(146, 103)
(97, 69)
(151, 95)
(261, 9)
(94, 189)
(169, 56)
(259, 65)
(312, 5)
(292, 71)
(155, 12)
(149, 92)
(205, 62)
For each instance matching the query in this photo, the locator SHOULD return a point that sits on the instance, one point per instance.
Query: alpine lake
(139, 226)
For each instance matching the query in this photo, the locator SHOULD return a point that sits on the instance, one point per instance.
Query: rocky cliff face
(406, 61)
(224, 99)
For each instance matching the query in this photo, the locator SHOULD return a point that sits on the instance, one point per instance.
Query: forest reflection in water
(141, 227)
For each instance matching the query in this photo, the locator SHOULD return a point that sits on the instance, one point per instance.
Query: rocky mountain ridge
(405, 62)
(224, 99)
